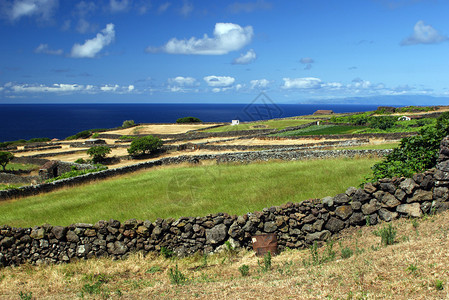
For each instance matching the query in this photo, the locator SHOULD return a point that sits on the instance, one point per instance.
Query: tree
(128, 123)
(98, 153)
(5, 158)
(188, 120)
(144, 145)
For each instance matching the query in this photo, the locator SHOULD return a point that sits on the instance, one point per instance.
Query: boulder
(411, 210)
(421, 196)
(59, 232)
(371, 207)
(318, 236)
(343, 211)
(37, 233)
(390, 201)
(217, 234)
(334, 224)
(408, 185)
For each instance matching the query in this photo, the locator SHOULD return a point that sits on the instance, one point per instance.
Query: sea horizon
(26, 121)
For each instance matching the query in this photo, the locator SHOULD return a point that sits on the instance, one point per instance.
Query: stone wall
(281, 154)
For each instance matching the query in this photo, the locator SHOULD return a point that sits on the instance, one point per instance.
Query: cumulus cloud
(118, 6)
(227, 37)
(183, 81)
(307, 61)
(43, 9)
(259, 83)
(424, 34)
(219, 81)
(64, 88)
(302, 83)
(55, 88)
(43, 48)
(248, 7)
(246, 58)
(92, 47)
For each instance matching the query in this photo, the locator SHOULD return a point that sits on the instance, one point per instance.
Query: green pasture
(189, 191)
(269, 124)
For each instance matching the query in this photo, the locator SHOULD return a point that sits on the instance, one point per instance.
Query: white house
(235, 122)
(404, 118)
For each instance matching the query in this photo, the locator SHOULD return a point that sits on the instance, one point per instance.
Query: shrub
(80, 135)
(381, 123)
(188, 120)
(266, 262)
(144, 145)
(80, 161)
(5, 158)
(38, 140)
(414, 154)
(128, 123)
(75, 173)
(98, 153)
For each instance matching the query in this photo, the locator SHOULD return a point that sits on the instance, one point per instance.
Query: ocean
(26, 121)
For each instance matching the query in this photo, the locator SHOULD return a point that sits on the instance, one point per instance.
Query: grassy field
(324, 130)
(189, 191)
(356, 267)
(16, 166)
(371, 147)
(270, 124)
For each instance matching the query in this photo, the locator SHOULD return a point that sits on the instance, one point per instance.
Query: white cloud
(92, 47)
(43, 48)
(302, 83)
(246, 58)
(55, 88)
(186, 8)
(84, 26)
(183, 81)
(131, 88)
(24, 8)
(227, 37)
(219, 81)
(259, 83)
(109, 88)
(424, 34)
(118, 6)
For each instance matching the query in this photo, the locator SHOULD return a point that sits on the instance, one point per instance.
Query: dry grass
(161, 129)
(413, 268)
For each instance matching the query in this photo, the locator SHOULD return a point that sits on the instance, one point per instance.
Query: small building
(49, 170)
(235, 122)
(404, 118)
(323, 112)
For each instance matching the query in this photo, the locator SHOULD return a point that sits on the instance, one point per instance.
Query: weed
(314, 253)
(387, 234)
(286, 268)
(415, 223)
(176, 276)
(204, 260)
(119, 293)
(412, 268)
(439, 285)
(25, 296)
(346, 253)
(167, 253)
(266, 262)
(329, 251)
(153, 269)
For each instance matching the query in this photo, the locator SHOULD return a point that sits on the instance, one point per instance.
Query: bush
(244, 270)
(98, 153)
(5, 158)
(80, 161)
(128, 123)
(188, 120)
(80, 135)
(387, 234)
(381, 123)
(76, 172)
(144, 145)
(414, 154)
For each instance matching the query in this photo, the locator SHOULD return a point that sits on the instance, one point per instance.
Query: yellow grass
(413, 268)
(160, 129)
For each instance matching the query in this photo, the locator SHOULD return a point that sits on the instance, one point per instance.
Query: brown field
(415, 267)
(161, 129)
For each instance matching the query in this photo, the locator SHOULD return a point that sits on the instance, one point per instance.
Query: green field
(189, 191)
(16, 166)
(324, 130)
(269, 124)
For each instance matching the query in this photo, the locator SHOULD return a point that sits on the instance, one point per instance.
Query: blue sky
(304, 51)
